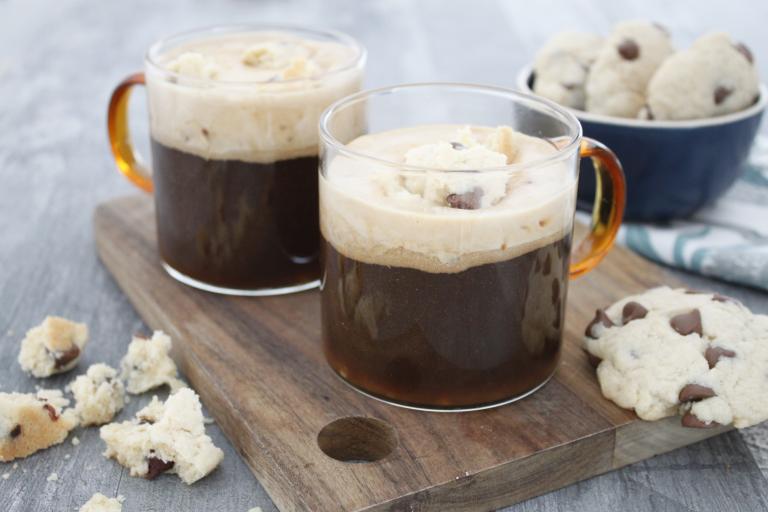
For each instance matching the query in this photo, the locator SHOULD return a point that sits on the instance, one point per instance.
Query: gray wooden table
(58, 63)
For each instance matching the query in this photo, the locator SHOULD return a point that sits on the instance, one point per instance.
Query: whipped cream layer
(394, 211)
(252, 96)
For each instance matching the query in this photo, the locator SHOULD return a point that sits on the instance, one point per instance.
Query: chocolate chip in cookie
(721, 94)
(687, 323)
(155, 466)
(714, 354)
(745, 51)
(628, 49)
(466, 201)
(632, 311)
(600, 318)
(695, 392)
(62, 359)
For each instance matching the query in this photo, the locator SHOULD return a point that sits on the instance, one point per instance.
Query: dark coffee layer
(235, 224)
(450, 340)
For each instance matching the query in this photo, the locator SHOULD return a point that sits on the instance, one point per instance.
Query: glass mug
(446, 289)
(233, 120)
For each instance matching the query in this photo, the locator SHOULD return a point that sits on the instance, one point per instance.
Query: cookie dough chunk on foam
(274, 83)
(398, 210)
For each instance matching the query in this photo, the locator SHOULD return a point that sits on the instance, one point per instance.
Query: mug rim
(568, 117)
(154, 51)
(525, 73)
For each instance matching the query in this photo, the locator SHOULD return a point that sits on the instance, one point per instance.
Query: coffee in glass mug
(233, 122)
(447, 227)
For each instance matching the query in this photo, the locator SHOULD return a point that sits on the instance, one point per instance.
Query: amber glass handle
(607, 212)
(120, 137)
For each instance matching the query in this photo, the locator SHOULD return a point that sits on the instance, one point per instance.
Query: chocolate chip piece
(466, 201)
(628, 49)
(721, 93)
(62, 359)
(458, 146)
(687, 323)
(146, 421)
(694, 292)
(692, 421)
(594, 361)
(695, 392)
(51, 412)
(600, 318)
(632, 311)
(713, 355)
(205, 132)
(16, 432)
(648, 112)
(724, 298)
(569, 86)
(155, 466)
(745, 51)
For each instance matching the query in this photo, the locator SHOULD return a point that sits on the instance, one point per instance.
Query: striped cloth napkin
(728, 240)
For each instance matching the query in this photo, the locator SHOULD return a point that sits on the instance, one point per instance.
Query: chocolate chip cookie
(670, 351)
(715, 76)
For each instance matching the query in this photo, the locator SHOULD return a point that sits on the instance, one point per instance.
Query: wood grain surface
(258, 365)
(58, 64)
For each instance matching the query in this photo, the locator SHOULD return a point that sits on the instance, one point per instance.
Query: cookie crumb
(53, 477)
(75, 441)
(6, 476)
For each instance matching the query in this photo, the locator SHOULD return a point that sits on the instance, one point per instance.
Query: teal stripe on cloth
(683, 239)
(639, 240)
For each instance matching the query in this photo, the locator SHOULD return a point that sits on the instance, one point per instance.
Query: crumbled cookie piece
(148, 365)
(667, 351)
(100, 503)
(52, 347)
(31, 422)
(99, 395)
(194, 65)
(167, 437)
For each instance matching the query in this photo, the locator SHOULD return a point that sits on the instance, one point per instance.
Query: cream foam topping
(447, 220)
(260, 99)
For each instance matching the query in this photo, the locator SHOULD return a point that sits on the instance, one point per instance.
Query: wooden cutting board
(259, 368)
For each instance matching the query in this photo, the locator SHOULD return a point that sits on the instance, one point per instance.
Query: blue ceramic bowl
(672, 168)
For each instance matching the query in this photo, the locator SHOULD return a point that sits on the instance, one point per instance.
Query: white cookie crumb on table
(53, 477)
(101, 503)
(99, 395)
(55, 346)
(31, 422)
(148, 364)
(164, 437)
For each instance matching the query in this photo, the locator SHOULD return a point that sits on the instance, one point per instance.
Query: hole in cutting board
(357, 439)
